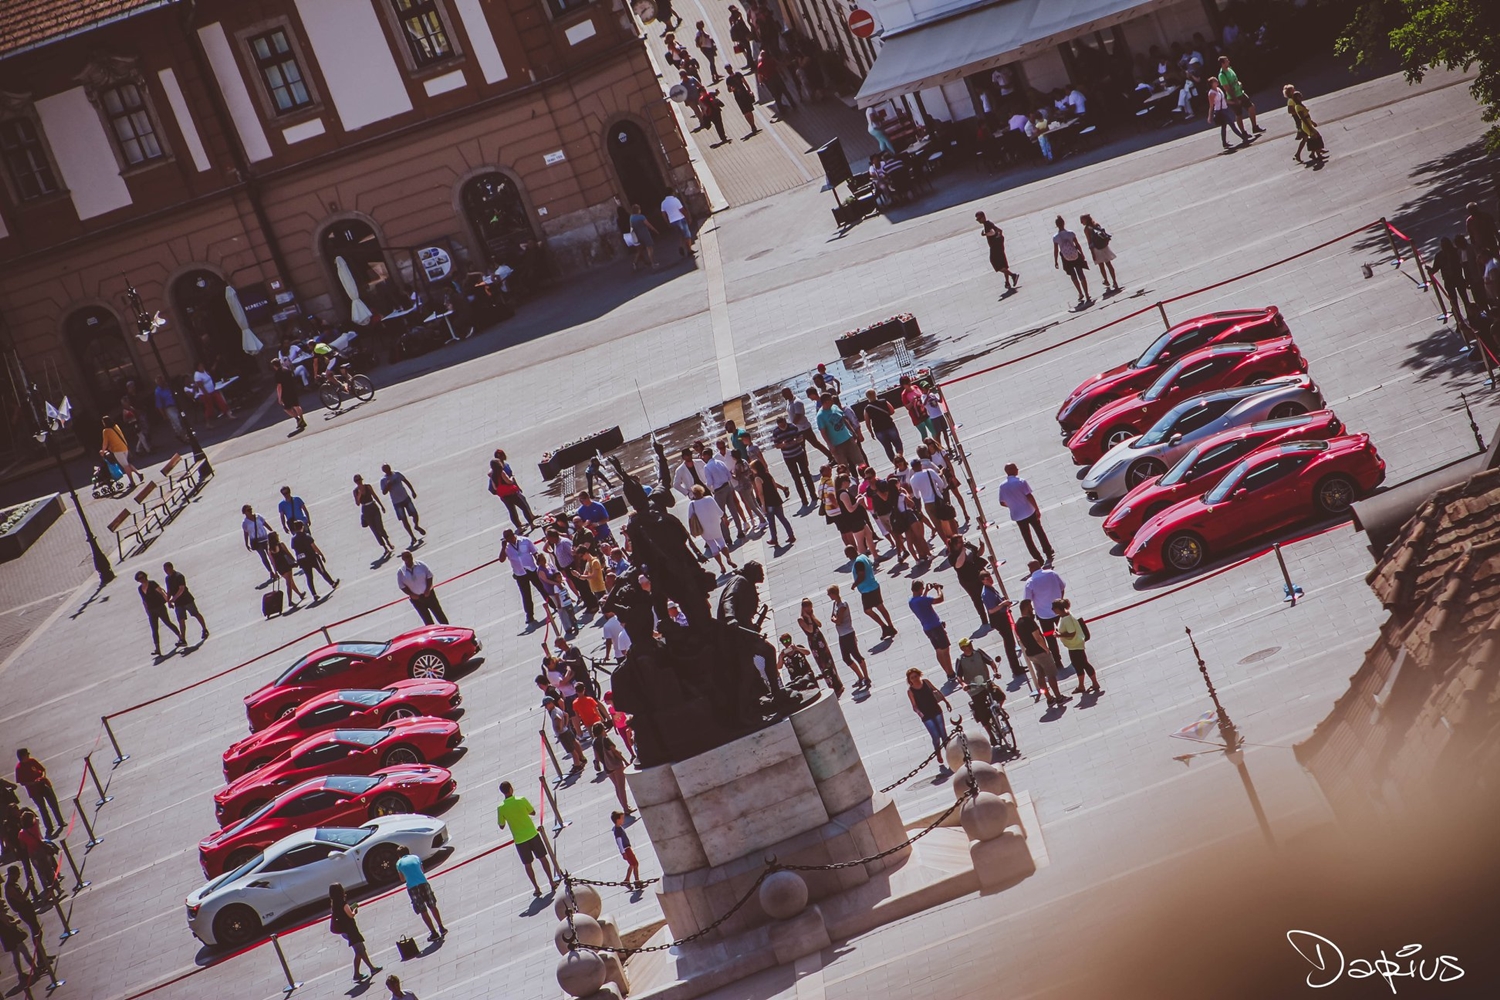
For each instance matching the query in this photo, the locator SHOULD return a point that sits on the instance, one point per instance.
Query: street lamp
(48, 425)
(1233, 744)
(146, 325)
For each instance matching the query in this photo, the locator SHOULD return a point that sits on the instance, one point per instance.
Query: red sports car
(1197, 471)
(1271, 490)
(1220, 366)
(340, 800)
(356, 709)
(426, 652)
(342, 751)
(1231, 326)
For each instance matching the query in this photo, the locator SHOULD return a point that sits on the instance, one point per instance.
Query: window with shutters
(280, 71)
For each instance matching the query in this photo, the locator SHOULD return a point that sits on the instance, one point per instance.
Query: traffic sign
(861, 23)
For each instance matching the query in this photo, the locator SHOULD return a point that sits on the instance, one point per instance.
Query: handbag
(694, 525)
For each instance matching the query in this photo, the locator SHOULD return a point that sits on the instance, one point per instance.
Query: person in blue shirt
(419, 890)
(924, 598)
(292, 509)
(597, 518)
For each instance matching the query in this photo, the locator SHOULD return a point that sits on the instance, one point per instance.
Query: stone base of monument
(797, 792)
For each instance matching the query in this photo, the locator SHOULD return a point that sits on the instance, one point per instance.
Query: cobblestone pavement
(771, 291)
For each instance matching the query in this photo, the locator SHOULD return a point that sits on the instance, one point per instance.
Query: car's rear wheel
(1287, 410)
(428, 665)
(402, 754)
(380, 864)
(1144, 470)
(1336, 494)
(1185, 551)
(251, 806)
(1119, 435)
(401, 712)
(236, 925)
(239, 857)
(391, 804)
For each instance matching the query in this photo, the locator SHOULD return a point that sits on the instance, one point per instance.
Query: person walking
(613, 761)
(868, 586)
(742, 37)
(292, 508)
(25, 909)
(515, 812)
(372, 515)
(1071, 631)
(1016, 497)
(419, 891)
(644, 234)
(622, 841)
(112, 440)
(257, 534)
(1219, 114)
(416, 582)
(207, 388)
(1043, 589)
(504, 485)
(706, 520)
(768, 73)
(1068, 255)
(396, 486)
(792, 443)
(875, 125)
(1308, 135)
(995, 237)
(289, 394)
(1099, 240)
(181, 600)
(997, 611)
(31, 774)
(342, 923)
(843, 624)
(925, 700)
(744, 97)
(521, 553)
(924, 600)
(285, 564)
(817, 642)
(1042, 661)
(769, 493)
(1239, 100)
(166, 405)
(154, 599)
(969, 564)
(309, 557)
(704, 42)
(677, 217)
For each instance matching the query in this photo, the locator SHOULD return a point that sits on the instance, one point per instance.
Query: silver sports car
(1189, 422)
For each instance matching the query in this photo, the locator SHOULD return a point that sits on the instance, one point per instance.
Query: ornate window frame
(22, 105)
(106, 71)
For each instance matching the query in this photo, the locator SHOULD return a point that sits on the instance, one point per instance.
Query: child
(621, 722)
(843, 623)
(622, 841)
(792, 662)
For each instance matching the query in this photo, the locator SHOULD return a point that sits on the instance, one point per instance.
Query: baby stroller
(108, 479)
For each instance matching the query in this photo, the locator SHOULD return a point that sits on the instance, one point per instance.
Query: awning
(948, 49)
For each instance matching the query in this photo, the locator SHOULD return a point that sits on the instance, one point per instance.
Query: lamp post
(1233, 744)
(48, 425)
(145, 326)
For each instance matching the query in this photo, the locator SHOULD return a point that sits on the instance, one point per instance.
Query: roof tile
(26, 23)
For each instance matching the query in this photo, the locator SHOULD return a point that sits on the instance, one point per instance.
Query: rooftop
(27, 24)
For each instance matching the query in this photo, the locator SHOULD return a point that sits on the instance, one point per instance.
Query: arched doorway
(209, 326)
(103, 356)
(635, 164)
(356, 241)
(492, 203)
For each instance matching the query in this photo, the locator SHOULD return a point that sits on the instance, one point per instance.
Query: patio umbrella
(248, 340)
(359, 313)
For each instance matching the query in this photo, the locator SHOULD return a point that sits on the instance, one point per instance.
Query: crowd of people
(28, 845)
(1467, 268)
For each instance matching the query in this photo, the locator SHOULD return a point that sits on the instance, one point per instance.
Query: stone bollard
(586, 898)
(998, 849)
(796, 928)
(988, 777)
(585, 930)
(979, 750)
(614, 967)
(580, 973)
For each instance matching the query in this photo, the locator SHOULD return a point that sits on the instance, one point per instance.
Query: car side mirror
(1175, 439)
(1240, 494)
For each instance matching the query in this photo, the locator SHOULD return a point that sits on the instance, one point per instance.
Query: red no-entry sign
(861, 23)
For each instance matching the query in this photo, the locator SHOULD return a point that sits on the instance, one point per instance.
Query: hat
(964, 642)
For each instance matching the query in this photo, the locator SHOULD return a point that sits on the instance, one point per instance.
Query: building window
(130, 123)
(425, 33)
(561, 7)
(279, 69)
(26, 159)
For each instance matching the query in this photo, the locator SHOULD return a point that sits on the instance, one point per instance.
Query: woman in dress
(645, 238)
(371, 513)
(817, 643)
(613, 760)
(709, 518)
(342, 923)
(853, 520)
(284, 561)
(995, 237)
(743, 478)
(1103, 255)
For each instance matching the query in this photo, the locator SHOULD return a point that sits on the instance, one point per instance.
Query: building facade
(302, 152)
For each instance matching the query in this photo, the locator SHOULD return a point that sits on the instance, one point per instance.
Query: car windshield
(342, 835)
(365, 698)
(286, 674)
(1228, 484)
(363, 648)
(1149, 355)
(238, 873)
(1162, 429)
(1175, 473)
(364, 737)
(252, 818)
(351, 784)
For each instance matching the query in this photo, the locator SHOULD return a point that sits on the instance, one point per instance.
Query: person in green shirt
(1070, 632)
(838, 434)
(516, 813)
(1239, 101)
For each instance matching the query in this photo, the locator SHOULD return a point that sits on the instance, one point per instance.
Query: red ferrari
(342, 751)
(1275, 488)
(1220, 366)
(356, 709)
(340, 800)
(427, 652)
(1197, 471)
(1231, 326)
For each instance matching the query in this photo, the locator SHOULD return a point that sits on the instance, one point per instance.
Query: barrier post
(79, 883)
(327, 639)
(88, 764)
(68, 931)
(120, 755)
(556, 764)
(94, 839)
(558, 823)
(1290, 591)
(1163, 310)
(1390, 234)
(286, 970)
(1478, 437)
(51, 969)
(974, 492)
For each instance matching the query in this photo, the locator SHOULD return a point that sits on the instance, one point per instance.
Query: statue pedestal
(796, 791)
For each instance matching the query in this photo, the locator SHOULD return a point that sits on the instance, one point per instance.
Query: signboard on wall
(256, 301)
(436, 262)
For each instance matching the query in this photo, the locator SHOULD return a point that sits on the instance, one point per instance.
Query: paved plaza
(771, 288)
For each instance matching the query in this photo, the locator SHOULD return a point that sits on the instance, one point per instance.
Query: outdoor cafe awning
(971, 41)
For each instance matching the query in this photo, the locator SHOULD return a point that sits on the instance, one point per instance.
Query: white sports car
(1131, 461)
(295, 872)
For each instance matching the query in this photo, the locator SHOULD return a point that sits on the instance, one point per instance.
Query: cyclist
(973, 665)
(326, 362)
(976, 671)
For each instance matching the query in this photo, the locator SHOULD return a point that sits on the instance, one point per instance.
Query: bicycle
(335, 386)
(988, 704)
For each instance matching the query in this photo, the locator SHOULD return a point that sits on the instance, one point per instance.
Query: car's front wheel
(380, 864)
(236, 925)
(391, 804)
(1119, 435)
(1336, 494)
(402, 754)
(428, 665)
(1144, 470)
(1185, 551)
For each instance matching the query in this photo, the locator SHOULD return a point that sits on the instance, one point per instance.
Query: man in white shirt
(521, 554)
(616, 639)
(207, 389)
(296, 359)
(688, 474)
(416, 582)
(1076, 102)
(1015, 496)
(796, 415)
(1043, 587)
(258, 537)
(720, 483)
(677, 217)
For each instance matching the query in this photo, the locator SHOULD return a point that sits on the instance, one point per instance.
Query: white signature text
(1328, 963)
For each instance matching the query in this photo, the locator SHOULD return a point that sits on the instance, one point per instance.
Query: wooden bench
(125, 525)
(155, 511)
(183, 476)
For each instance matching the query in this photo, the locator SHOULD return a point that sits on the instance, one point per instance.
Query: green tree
(1453, 34)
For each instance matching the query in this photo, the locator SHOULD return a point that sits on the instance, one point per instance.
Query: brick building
(189, 146)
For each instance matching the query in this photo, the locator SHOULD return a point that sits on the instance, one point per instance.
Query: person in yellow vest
(114, 443)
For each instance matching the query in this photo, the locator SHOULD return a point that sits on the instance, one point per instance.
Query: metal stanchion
(88, 763)
(79, 882)
(286, 970)
(556, 764)
(558, 823)
(1163, 310)
(94, 839)
(68, 931)
(327, 639)
(52, 981)
(1290, 591)
(120, 755)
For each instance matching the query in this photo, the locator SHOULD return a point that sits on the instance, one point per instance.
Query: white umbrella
(248, 340)
(359, 313)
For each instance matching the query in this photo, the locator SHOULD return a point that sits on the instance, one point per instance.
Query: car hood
(260, 777)
(423, 687)
(1110, 411)
(1134, 496)
(1103, 380)
(421, 725)
(431, 633)
(412, 774)
(405, 823)
(1115, 459)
